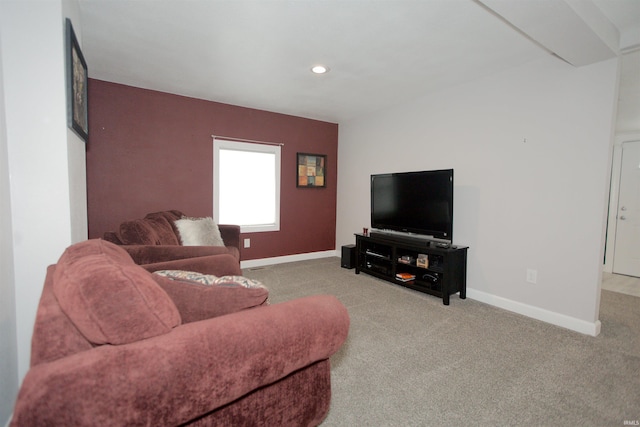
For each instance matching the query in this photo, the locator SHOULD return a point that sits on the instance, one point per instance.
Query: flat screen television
(414, 202)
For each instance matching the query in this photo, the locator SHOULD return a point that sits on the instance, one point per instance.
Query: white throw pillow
(199, 232)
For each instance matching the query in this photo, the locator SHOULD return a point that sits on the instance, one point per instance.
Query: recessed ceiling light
(320, 69)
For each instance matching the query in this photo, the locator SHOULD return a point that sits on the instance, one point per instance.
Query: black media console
(415, 263)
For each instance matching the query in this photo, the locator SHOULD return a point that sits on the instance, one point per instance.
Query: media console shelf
(415, 263)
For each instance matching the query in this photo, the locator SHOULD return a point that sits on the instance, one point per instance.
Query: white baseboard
(564, 321)
(288, 258)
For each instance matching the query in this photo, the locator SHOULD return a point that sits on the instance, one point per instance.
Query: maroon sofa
(154, 241)
(114, 344)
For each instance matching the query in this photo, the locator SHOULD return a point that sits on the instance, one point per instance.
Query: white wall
(46, 166)
(537, 204)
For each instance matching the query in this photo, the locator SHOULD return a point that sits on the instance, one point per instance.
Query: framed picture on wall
(311, 170)
(77, 78)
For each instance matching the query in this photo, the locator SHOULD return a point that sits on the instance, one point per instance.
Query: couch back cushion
(54, 335)
(148, 231)
(171, 216)
(81, 250)
(108, 297)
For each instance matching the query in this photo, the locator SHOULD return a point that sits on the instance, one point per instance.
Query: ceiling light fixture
(320, 69)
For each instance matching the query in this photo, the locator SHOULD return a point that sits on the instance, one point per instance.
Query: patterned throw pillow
(238, 281)
(210, 280)
(187, 276)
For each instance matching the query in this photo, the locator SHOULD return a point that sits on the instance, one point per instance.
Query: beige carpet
(411, 361)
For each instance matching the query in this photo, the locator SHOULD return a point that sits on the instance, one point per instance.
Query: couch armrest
(150, 254)
(217, 265)
(176, 377)
(230, 235)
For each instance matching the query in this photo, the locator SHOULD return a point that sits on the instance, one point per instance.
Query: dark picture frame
(311, 170)
(77, 79)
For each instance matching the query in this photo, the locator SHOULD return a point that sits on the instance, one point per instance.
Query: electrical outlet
(532, 276)
(247, 243)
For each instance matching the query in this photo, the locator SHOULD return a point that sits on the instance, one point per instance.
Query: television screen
(414, 202)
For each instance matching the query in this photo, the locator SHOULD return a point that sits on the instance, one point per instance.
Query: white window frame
(222, 144)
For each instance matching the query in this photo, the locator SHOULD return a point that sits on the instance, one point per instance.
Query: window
(246, 185)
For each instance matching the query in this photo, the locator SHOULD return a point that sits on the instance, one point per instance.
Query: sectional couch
(155, 243)
(114, 344)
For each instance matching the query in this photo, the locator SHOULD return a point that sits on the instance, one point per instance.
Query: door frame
(612, 220)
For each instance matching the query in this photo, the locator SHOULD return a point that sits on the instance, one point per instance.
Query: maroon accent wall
(150, 151)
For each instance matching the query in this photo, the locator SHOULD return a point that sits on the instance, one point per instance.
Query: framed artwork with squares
(311, 170)
(77, 77)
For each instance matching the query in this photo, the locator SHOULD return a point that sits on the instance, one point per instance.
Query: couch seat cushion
(109, 298)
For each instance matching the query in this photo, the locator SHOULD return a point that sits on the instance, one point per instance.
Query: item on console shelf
(405, 277)
(423, 261)
(407, 259)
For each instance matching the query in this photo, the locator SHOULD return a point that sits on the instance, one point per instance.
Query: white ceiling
(258, 53)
